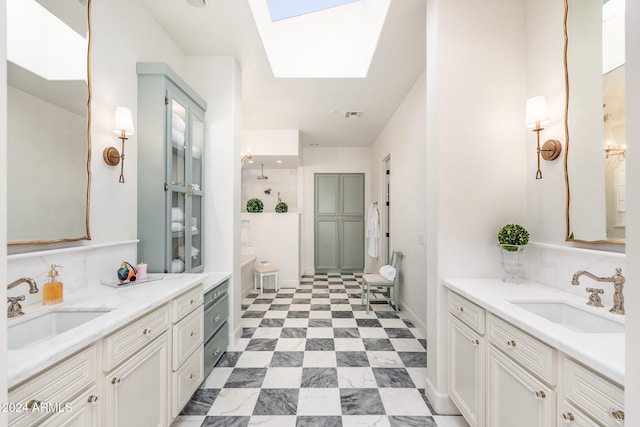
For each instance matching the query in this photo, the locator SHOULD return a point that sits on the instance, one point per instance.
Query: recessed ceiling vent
(353, 114)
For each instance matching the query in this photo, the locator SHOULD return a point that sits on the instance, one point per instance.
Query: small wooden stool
(259, 273)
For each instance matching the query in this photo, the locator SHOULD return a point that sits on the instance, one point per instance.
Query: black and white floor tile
(312, 356)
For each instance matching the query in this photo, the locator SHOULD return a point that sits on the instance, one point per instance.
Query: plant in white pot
(512, 239)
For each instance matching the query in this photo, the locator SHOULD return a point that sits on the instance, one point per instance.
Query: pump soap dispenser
(52, 290)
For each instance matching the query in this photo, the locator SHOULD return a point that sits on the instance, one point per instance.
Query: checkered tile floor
(312, 356)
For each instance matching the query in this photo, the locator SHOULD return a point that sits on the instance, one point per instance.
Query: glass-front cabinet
(171, 144)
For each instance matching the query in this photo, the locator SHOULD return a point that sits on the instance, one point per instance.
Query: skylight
(338, 42)
(283, 9)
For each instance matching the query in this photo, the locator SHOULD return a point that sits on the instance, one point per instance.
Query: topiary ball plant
(513, 234)
(255, 205)
(282, 207)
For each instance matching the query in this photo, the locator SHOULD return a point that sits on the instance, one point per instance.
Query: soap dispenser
(52, 290)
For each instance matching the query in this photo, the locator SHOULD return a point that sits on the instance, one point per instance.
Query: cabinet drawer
(187, 336)
(57, 385)
(593, 394)
(534, 355)
(128, 340)
(82, 412)
(216, 293)
(186, 303)
(215, 347)
(215, 316)
(574, 417)
(186, 381)
(471, 314)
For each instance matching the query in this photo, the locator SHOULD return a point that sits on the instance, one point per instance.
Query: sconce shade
(123, 121)
(537, 111)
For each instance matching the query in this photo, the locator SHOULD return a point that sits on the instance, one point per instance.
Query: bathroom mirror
(594, 121)
(48, 121)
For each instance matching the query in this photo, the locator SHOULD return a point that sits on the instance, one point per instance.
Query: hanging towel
(373, 230)
(388, 272)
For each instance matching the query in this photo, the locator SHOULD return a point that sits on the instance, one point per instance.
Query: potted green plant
(255, 205)
(282, 207)
(512, 239)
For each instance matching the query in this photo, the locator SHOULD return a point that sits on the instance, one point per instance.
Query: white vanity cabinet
(501, 376)
(467, 359)
(45, 395)
(187, 366)
(136, 376)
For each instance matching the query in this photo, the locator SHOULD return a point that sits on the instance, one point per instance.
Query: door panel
(327, 240)
(352, 249)
(327, 195)
(352, 193)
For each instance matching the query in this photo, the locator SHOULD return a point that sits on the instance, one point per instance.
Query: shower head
(268, 191)
(262, 172)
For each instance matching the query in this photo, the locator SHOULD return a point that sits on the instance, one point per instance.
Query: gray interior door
(339, 222)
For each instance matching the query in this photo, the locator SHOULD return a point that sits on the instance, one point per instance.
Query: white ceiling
(314, 106)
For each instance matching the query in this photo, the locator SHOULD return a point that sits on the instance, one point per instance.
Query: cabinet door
(517, 398)
(327, 244)
(466, 371)
(571, 416)
(137, 392)
(195, 191)
(352, 249)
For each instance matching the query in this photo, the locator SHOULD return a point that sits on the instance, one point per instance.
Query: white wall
(3, 206)
(632, 380)
(476, 141)
(404, 139)
(284, 181)
(329, 160)
(218, 81)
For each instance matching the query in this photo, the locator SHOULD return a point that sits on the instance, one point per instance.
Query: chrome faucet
(15, 309)
(618, 283)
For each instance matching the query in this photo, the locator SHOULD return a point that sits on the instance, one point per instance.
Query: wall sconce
(245, 157)
(537, 115)
(123, 125)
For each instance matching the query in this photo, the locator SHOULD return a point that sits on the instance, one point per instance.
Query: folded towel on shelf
(177, 123)
(177, 215)
(388, 272)
(194, 252)
(177, 266)
(177, 138)
(177, 226)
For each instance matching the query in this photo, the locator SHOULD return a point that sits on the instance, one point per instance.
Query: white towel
(177, 215)
(245, 236)
(176, 226)
(373, 231)
(177, 123)
(177, 138)
(388, 272)
(194, 252)
(177, 266)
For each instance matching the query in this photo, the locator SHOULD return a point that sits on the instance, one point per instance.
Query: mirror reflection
(48, 121)
(594, 121)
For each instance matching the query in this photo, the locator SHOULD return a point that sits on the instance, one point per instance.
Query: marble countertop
(603, 353)
(122, 305)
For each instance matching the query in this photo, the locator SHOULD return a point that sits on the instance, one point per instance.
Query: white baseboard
(407, 313)
(440, 402)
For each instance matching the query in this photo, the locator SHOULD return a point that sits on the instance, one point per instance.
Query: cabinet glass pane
(197, 145)
(196, 234)
(178, 222)
(178, 143)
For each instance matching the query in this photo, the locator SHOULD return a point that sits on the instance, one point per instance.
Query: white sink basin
(573, 318)
(34, 330)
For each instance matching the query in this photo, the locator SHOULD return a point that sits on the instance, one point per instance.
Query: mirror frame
(87, 236)
(567, 237)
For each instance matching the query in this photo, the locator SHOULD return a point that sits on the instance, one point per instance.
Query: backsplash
(82, 266)
(554, 266)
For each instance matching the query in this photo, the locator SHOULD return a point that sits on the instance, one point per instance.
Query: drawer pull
(115, 381)
(191, 376)
(215, 353)
(475, 342)
(460, 309)
(193, 334)
(192, 301)
(617, 415)
(541, 394)
(216, 318)
(32, 403)
(92, 399)
(146, 332)
(216, 294)
(511, 343)
(568, 416)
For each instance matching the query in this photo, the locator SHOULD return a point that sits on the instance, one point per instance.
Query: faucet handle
(15, 309)
(14, 300)
(594, 298)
